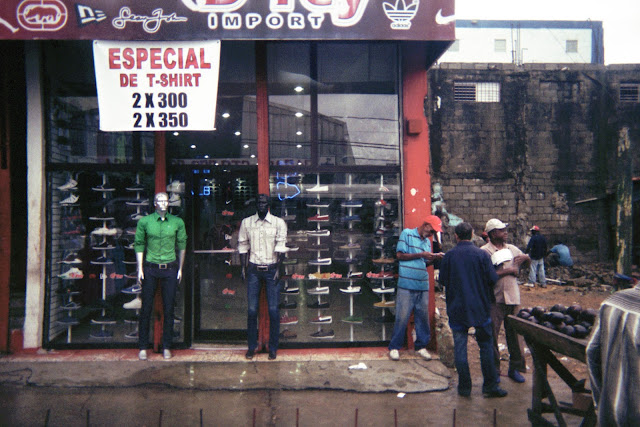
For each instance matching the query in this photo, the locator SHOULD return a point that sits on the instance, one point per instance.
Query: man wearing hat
(537, 250)
(414, 254)
(507, 295)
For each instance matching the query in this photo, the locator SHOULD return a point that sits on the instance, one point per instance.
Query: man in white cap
(507, 295)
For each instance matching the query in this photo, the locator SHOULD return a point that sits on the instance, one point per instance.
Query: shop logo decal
(42, 15)
(88, 15)
(9, 26)
(444, 20)
(400, 13)
(150, 24)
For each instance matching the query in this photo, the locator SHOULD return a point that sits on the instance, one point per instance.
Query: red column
(160, 155)
(262, 123)
(416, 153)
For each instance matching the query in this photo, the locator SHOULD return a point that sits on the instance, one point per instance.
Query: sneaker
(320, 290)
(71, 305)
(318, 188)
(288, 305)
(320, 232)
(394, 354)
(355, 275)
(529, 285)
(350, 246)
(319, 218)
(497, 392)
(515, 376)
(322, 334)
(174, 200)
(318, 305)
(383, 290)
(383, 261)
(71, 184)
(135, 289)
(384, 304)
(351, 290)
(424, 354)
(351, 204)
(383, 189)
(101, 261)
(348, 218)
(288, 334)
(105, 231)
(352, 319)
(71, 200)
(101, 217)
(72, 273)
(318, 204)
(142, 355)
(176, 186)
(136, 216)
(134, 304)
(72, 258)
(291, 290)
(166, 354)
(102, 187)
(103, 246)
(290, 261)
(321, 319)
(288, 320)
(320, 261)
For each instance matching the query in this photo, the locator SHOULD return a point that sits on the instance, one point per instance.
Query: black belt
(161, 266)
(263, 267)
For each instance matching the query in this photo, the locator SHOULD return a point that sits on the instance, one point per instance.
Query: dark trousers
(499, 313)
(484, 338)
(254, 279)
(167, 278)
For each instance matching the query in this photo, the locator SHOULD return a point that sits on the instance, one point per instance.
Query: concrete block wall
(544, 154)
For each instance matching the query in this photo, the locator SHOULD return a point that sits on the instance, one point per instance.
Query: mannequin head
(262, 205)
(161, 203)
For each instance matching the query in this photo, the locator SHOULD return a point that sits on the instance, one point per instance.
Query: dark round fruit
(559, 308)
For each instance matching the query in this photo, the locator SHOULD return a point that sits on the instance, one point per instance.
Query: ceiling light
(299, 133)
(237, 133)
(206, 156)
(176, 133)
(193, 146)
(226, 115)
(299, 114)
(299, 146)
(245, 146)
(298, 88)
(253, 156)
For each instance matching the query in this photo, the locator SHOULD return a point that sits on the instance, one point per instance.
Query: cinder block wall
(545, 154)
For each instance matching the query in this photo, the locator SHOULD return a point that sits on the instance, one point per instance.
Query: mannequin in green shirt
(157, 237)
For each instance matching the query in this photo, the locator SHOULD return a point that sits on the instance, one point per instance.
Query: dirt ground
(587, 285)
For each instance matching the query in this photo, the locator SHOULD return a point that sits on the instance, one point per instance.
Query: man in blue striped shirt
(414, 254)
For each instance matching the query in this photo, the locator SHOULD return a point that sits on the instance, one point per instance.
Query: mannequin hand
(140, 275)
(243, 274)
(179, 275)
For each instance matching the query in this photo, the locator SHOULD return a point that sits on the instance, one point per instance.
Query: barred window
(630, 92)
(476, 91)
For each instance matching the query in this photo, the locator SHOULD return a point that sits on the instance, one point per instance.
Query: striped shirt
(262, 238)
(613, 358)
(413, 273)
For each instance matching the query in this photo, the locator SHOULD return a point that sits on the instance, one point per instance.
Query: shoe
(383, 261)
(350, 246)
(72, 258)
(351, 204)
(318, 188)
(322, 334)
(71, 184)
(424, 354)
(320, 232)
(497, 392)
(543, 286)
(134, 304)
(272, 355)
(383, 290)
(318, 204)
(103, 246)
(101, 261)
(384, 304)
(175, 187)
(288, 305)
(529, 285)
(515, 375)
(320, 261)
(351, 290)
(135, 289)
(105, 231)
(174, 200)
(166, 354)
(69, 321)
(394, 354)
(348, 218)
(352, 319)
(102, 187)
(288, 320)
(71, 200)
(321, 319)
(318, 305)
(287, 334)
(464, 393)
(319, 218)
(383, 189)
(142, 355)
(249, 354)
(72, 273)
(320, 290)
(354, 275)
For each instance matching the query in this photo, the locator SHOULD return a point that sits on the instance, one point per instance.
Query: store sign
(420, 20)
(157, 86)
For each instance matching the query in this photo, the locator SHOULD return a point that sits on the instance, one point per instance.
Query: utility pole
(624, 191)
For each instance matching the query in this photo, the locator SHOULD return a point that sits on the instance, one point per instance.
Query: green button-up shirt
(160, 238)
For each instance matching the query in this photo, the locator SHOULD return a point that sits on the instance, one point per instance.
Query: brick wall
(545, 154)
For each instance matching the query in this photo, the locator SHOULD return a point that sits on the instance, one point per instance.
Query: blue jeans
(254, 277)
(407, 301)
(537, 271)
(484, 339)
(168, 278)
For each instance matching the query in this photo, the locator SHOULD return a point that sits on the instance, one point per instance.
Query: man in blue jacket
(468, 275)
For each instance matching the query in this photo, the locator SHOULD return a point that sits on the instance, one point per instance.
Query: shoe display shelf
(350, 205)
(290, 289)
(69, 320)
(135, 305)
(382, 280)
(100, 326)
(320, 260)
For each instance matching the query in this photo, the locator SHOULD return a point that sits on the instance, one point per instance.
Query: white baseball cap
(494, 224)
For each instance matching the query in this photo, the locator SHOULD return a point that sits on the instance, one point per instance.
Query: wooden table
(542, 341)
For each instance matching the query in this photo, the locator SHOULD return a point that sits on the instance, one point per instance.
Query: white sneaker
(167, 354)
(318, 188)
(72, 199)
(142, 355)
(394, 355)
(70, 185)
(134, 304)
(105, 231)
(424, 353)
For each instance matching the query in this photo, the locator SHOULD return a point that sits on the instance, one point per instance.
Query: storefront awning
(411, 20)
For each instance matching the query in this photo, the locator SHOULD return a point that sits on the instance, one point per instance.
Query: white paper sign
(157, 86)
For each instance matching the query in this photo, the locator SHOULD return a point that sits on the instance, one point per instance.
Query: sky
(620, 19)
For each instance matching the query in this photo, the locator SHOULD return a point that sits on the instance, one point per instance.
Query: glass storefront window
(72, 113)
(233, 142)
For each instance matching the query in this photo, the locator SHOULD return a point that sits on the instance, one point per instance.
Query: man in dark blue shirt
(467, 274)
(537, 250)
